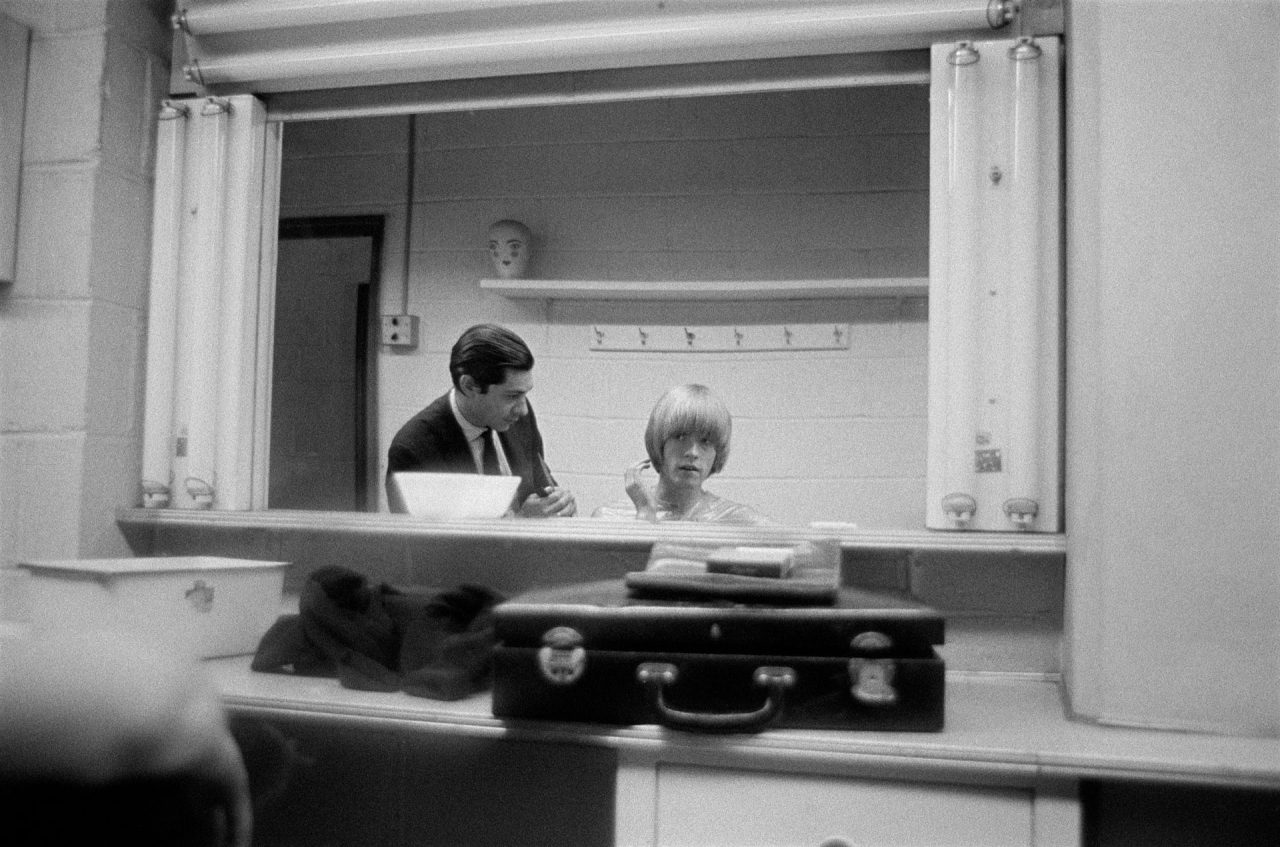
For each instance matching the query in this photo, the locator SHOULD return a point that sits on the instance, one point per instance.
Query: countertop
(1000, 729)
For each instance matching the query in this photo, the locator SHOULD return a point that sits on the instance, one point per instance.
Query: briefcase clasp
(871, 681)
(562, 659)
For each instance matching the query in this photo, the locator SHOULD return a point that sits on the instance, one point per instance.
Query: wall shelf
(789, 289)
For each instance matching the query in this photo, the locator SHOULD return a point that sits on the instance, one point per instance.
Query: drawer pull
(655, 676)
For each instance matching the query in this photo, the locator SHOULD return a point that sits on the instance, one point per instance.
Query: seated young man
(687, 440)
(483, 424)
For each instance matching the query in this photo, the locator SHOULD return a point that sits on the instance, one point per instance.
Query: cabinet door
(703, 807)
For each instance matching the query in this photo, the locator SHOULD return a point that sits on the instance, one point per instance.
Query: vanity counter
(1008, 769)
(1009, 765)
(998, 728)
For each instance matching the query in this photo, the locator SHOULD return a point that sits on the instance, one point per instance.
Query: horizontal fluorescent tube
(687, 35)
(253, 15)
(356, 102)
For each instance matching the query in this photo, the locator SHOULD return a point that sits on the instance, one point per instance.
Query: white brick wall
(796, 186)
(74, 318)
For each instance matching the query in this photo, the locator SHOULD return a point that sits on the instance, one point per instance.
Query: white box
(774, 562)
(205, 605)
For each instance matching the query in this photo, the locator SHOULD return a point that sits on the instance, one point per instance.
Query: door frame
(365, 407)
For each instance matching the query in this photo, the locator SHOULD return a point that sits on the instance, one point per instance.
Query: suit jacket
(432, 440)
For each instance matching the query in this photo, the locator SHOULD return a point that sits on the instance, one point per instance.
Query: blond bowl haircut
(689, 409)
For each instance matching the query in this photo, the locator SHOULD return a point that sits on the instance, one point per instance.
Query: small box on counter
(774, 562)
(207, 605)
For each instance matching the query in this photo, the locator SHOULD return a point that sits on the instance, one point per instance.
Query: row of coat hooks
(717, 339)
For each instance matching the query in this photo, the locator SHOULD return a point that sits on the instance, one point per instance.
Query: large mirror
(827, 390)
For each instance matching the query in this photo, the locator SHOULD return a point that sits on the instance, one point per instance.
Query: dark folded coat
(433, 643)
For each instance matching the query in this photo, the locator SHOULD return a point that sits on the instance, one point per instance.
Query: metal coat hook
(688, 336)
(738, 335)
(644, 336)
(838, 333)
(599, 334)
(786, 333)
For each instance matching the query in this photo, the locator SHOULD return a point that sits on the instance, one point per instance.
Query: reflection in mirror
(828, 395)
(323, 454)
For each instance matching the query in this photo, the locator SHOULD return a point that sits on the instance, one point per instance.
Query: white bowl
(455, 496)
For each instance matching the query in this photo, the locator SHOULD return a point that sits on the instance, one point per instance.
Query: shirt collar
(470, 430)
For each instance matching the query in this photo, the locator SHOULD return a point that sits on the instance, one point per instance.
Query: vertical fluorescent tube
(199, 297)
(269, 223)
(994, 311)
(162, 307)
(962, 290)
(187, 271)
(237, 312)
(1023, 290)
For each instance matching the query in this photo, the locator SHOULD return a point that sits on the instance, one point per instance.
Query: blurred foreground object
(107, 739)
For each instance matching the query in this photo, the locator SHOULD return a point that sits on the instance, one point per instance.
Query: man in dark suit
(484, 424)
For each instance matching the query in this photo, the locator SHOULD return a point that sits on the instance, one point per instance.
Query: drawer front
(704, 807)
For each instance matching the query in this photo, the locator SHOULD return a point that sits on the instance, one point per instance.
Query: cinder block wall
(74, 319)
(812, 185)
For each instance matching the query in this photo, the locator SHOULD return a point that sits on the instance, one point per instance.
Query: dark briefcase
(598, 653)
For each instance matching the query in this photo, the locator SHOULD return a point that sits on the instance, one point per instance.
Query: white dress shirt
(475, 438)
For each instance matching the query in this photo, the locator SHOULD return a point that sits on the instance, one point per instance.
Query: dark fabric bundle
(433, 643)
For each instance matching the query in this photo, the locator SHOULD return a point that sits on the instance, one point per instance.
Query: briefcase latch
(871, 681)
(870, 641)
(562, 658)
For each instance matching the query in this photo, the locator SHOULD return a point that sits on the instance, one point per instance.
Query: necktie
(489, 455)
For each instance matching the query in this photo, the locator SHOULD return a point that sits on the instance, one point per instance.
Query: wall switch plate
(400, 331)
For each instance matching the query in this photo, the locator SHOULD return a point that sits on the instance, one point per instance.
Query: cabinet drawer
(701, 807)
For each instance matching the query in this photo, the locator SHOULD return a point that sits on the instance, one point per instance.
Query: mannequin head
(509, 246)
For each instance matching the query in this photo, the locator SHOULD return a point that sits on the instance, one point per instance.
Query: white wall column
(1173, 366)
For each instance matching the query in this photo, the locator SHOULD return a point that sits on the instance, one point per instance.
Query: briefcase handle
(655, 676)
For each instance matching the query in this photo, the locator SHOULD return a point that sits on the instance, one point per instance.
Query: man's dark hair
(485, 352)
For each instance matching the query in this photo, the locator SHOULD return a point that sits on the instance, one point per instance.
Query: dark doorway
(323, 403)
